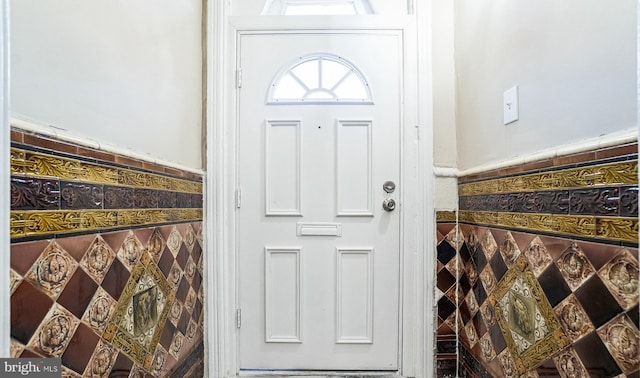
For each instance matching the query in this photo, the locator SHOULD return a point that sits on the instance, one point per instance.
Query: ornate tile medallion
(509, 250)
(98, 259)
(472, 303)
(130, 251)
(141, 312)
(191, 329)
(99, 311)
(191, 300)
(526, 319)
(15, 280)
(156, 244)
(15, 349)
(52, 270)
(539, 258)
(574, 320)
(622, 338)
(176, 345)
(174, 241)
(472, 273)
(574, 266)
(175, 275)
(191, 268)
(472, 335)
(54, 333)
(488, 279)
(621, 277)
(176, 312)
(452, 267)
(190, 238)
(159, 358)
(101, 361)
(508, 365)
(569, 365)
(68, 373)
(486, 347)
(489, 245)
(488, 313)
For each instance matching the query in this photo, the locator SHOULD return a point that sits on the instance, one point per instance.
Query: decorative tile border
(39, 164)
(619, 173)
(620, 229)
(445, 216)
(47, 223)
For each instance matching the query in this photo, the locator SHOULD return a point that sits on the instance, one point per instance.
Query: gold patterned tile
(54, 333)
(14, 280)
(569, 365)
(574, 266)
(489, 245)
(101, 362)
(159, 359)
(486, 348)
(175, 312)
(15, 348)
(174, 241)
(622, 339)
(190, 238)
(138, 320)
(176, 345)
(191, 268)
(175, 275)
(192, 329)
(99, 311)
(472, 272)
(488, 314)
(156, 244)
(190, 301)
(97, 260)
(130, 251)
(52, 270)
(509, 368)
(488, 279)
(573, 318)
(472, 303)
(620, 275)
(509, 250)
(538, 256)
(472, 335)
(529, 325)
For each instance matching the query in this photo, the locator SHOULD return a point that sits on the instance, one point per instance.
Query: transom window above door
(317, 7)
(317, 79)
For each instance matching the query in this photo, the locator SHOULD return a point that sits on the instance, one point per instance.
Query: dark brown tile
(166, 262)
(183, 256)
(622, 150)
(115, 239)
(30, 354)
(629, 201)
(122, 366)
(167, 335)
(96, 154)
(597, 301)
(80, 349)
(29, 306)
(127, 161)
(145, 199)
(50, 144)
(498, 266)
(17, 136)
(575, 158)
(598, 253)
(445, 308)
(595, 357)
(554, 285)
(445, 252)
(445, 228)
(118, 197)
(595, 201)
(23, 255)
(116, 279)
(547, 369)
(167, 199)
(77, 195)
(76, 245)
(522, 239)
(555, 246)
(183, 323)
(445, 280)
(78, 293)
(29, 193)
(143, 234)
(183, 290)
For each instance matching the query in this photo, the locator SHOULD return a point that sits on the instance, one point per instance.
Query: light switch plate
(510, 105)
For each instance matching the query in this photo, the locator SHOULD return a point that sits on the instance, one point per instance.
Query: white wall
(444, 102)
(574, 62)
(122, 72)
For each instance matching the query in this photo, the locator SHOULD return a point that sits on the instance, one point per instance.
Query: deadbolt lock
(389, 186)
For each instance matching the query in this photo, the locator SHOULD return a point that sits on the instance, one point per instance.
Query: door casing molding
(418, 230)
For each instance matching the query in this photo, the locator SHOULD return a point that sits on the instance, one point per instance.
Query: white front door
(318, 256)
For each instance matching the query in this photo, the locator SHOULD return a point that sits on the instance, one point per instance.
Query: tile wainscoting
(537, 274)
(106, 261)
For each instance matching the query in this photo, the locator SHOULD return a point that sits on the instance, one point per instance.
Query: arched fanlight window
(320, 78)
(317, 7)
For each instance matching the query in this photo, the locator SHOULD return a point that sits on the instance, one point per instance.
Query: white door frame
(417, 358)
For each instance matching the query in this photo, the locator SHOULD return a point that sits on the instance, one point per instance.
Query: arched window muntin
(333, 80)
